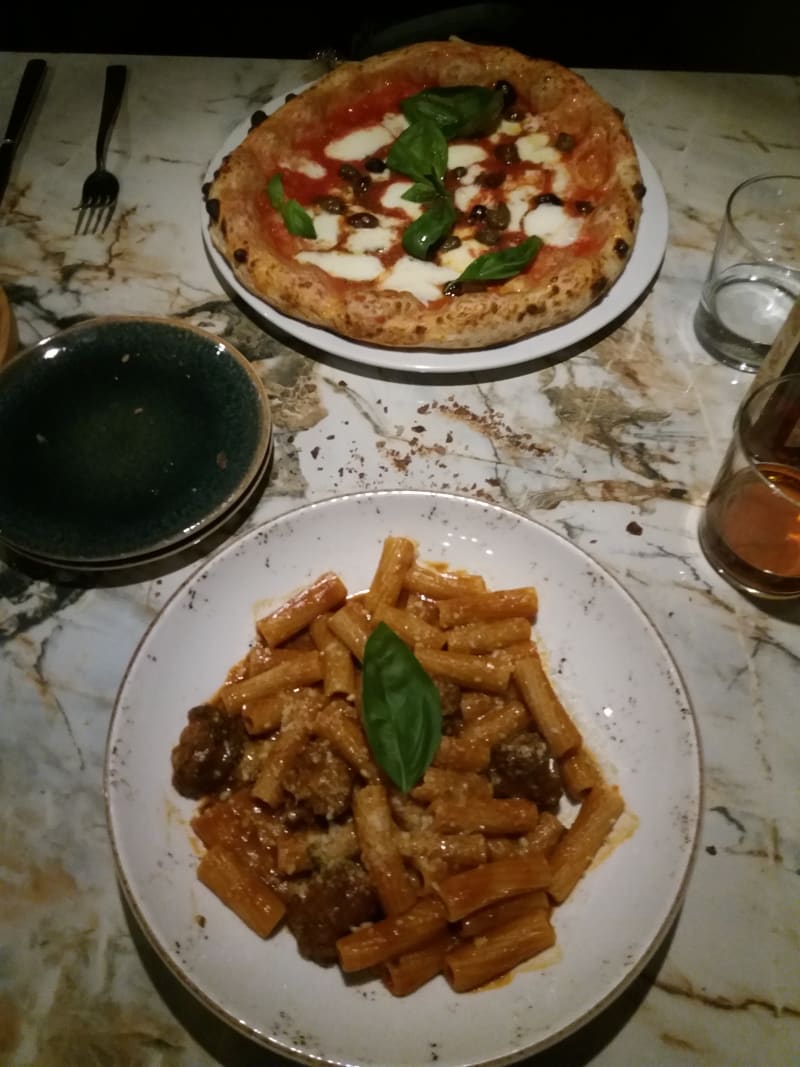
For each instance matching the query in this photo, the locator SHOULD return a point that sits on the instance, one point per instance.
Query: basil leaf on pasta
(402, 710)
(496, 266)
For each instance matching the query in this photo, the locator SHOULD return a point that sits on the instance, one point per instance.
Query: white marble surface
(629, 431)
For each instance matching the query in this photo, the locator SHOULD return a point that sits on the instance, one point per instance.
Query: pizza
(444, 195)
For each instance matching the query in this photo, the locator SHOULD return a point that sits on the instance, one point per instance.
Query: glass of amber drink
(750, 527)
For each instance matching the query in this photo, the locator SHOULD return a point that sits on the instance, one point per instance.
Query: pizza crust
(560, 285)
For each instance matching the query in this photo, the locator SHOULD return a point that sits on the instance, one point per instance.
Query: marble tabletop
(612, 445)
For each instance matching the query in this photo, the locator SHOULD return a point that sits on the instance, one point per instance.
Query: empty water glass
(754, 278)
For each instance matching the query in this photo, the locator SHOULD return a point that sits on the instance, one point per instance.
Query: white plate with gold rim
(640, 270)
(612, 670)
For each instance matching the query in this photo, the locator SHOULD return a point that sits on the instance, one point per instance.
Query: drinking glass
(750, 527)
(754, 277)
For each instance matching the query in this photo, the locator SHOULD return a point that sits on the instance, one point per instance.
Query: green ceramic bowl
(122, 437)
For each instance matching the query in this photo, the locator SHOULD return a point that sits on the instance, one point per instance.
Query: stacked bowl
(126, 441)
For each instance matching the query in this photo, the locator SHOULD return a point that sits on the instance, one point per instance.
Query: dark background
(758, 38)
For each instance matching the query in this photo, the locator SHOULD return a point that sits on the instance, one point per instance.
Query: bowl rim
(100, 568)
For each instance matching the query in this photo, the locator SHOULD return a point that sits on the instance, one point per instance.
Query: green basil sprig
(402, 710)
(496, 266)
(295, 218)
(420, 193)
(458, 110)
(420, 152)
(423, 233)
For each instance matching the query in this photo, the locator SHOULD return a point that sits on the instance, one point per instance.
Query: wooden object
(9, 338)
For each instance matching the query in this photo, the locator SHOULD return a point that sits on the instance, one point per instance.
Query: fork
(101, 188)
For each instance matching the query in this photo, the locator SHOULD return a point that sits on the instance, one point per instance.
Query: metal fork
(101, 188)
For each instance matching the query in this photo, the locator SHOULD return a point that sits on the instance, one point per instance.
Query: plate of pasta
(409, 760)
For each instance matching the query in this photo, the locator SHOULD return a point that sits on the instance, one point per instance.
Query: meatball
(524, 766)
(208, 750)
(449, 695)
(327, 906)
(321, 780)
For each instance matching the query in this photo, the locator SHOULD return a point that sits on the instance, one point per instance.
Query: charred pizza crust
(561, 283)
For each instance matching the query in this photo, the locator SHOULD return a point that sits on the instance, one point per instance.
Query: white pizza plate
(641, 268)
(611, 669)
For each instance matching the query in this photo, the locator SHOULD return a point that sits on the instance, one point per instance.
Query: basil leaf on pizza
(420, 152)
(295, 218)
(420, 192)
(497, 266)
(275, 192)
(458, 110)
(425, 232)
(438, 170)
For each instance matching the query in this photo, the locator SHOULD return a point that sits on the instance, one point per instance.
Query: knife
(26, 94)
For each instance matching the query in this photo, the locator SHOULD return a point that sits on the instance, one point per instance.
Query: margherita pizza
(443, 195)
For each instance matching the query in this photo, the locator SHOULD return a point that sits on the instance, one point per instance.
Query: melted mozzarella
(393, 198)
(530, 143)
(510, 129)
(458, 259)
(472, 175)
(309, 167)
(360, 143)
(464, 155)
(518, 201)
(416, 276)
(394, 122)
(531, 122)
(516, 197)
(514, 128)
(354, 267)
(375, 240)
(547, 154)
(464, 197)
(467, 192)
(552, 224)
(327, 227)
(561, 180)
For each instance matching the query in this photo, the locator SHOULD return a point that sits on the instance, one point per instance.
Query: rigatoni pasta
(458, 873)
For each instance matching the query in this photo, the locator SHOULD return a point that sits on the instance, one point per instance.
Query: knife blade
(29, 85)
